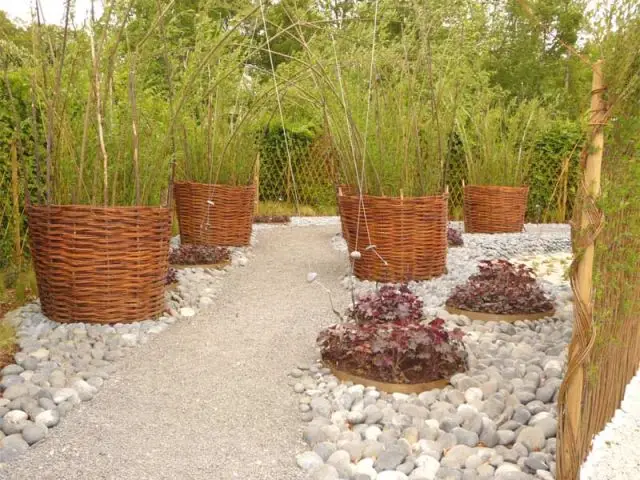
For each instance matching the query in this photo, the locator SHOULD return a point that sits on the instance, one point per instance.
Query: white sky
(20, 10)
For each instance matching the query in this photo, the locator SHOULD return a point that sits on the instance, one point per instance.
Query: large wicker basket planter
(494, 209)
(220, 215)
(409, 235)
(100, 264)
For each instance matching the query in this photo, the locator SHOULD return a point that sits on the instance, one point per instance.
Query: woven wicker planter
(493, 209)
(409, 234)
(219, 215)
(100, 264)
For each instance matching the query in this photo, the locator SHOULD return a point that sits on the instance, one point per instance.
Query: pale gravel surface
(208, 398)
(614, 454)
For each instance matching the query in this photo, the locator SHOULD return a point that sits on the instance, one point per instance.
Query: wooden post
(583, 283)
(15, 200)
(256, 182)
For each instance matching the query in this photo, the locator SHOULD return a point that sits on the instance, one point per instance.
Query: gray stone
(485, 470)
(455, 397)
(525, 396)
(356, 418)
(48, 418)
(391, 475)
(521, 415)
(14, 442)
(506, 437)
(430, 448)
(493, 407)
(407, 467)
(412, 410)
(456, 456)
(12, 369)
(309, 460)
(549, 427)
(9, 380)
(533, 438)
(372, 449)
(325, 450)
(536, 464)
(321, 406)
(510, 425)
(30, 363)
(341, 461)
(16, 391)
(34, 433)
(390, 458)
(355, 450)
(373, 414)
(447, 440)
(447, 473)
(465, 437)
(489, 435)
(85, 391)
(428, 433)
(324, 472)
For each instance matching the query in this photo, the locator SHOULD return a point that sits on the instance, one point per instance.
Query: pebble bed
(496, 421)
(614, 454)
(61, 365)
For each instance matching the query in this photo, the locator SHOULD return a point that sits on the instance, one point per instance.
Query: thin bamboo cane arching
(100, 264)
(494, 209)
(210, 214)
(399, 239)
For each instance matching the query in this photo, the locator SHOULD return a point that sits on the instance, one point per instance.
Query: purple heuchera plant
(172, 276)
(190, 254)
(400, 351)
(388, 304)
(454, 237)
(503, 288)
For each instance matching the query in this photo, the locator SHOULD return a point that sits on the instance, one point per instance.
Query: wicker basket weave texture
(494, 209)
(100, 264)
(409, 234)
(210, 214)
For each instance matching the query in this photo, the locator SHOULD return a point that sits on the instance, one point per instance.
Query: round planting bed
(100, 264)
(210, 214)
(498, 317)
(494, 209)
(398, 238)
(388, 387)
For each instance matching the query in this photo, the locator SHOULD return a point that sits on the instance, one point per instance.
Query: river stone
(390, 458)
(533, 438)
(465, 437)
(321, 406)
(324, 472)
(457, 455)
(16, 391)
(34, 433)
(309, 460)
(48, 418)
(341, 461)
(391, 475)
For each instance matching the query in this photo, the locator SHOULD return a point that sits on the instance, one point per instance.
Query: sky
(20, 10)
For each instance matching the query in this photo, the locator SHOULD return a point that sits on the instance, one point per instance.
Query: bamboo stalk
(134, 130)
(572, 435)
(96, 92)
(15, 200)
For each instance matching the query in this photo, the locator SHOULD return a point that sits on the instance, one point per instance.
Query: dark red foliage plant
(503, 288)
(189, 254)
(387, 304)
(172, 276)
(454, 237)
(401, 351)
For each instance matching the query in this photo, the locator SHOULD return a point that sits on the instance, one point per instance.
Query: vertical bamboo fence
(605, 349)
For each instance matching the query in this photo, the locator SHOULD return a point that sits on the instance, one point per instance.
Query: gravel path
(208, 399)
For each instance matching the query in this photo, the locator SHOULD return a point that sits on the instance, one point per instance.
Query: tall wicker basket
(409, 235)
(100, 264)
(210, 214)
(494, 209)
